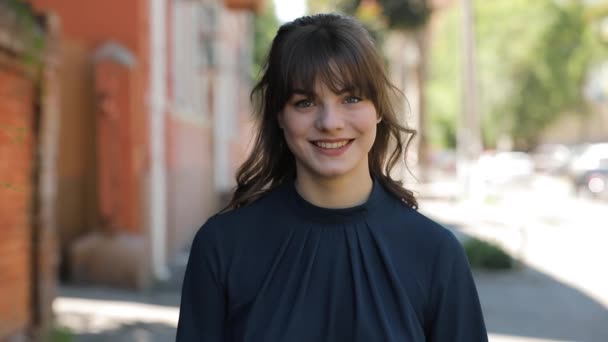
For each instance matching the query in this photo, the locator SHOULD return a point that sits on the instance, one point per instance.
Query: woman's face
(329, 134)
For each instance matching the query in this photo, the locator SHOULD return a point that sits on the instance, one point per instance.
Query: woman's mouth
(332, 148)
(332, 145)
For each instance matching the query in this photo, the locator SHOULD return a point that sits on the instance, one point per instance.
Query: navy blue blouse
(283, 269)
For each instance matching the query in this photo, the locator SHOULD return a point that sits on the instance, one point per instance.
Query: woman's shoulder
(248, 215)
(228, 232)
(415, 226)
(426, 225)
(270, 200)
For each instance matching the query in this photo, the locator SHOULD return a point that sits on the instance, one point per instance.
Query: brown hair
(337, 50)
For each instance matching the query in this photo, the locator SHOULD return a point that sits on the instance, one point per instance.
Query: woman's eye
(304, 103)
(353, 99)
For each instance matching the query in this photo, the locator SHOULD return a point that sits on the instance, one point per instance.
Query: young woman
(319, 243)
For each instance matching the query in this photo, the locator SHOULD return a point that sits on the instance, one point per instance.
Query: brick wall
(16, 155)
(84, 29)
(28, 135)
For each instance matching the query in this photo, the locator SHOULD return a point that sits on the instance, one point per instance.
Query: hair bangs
(319, 58)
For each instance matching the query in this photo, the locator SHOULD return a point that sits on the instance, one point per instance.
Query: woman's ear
(379, 119)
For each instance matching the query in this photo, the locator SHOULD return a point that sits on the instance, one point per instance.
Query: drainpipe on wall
(158, 173)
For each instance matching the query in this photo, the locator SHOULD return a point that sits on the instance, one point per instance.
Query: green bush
(61, 334)
(487, 255)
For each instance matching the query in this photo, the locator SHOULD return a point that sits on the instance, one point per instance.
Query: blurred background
(122, 124)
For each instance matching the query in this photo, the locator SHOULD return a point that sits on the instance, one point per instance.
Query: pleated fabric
(283, 269)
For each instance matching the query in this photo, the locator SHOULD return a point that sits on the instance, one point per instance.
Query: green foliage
(266, 25)
(532, 57)
(397, 14)
(533, 64)
(487, 255)
(32, 31)
(324, 6)
(406, 14)
(507, 32)
(551, 85)
(369, 16)
(61, 334)
(380, 16)
(443, 133)
(444, 79)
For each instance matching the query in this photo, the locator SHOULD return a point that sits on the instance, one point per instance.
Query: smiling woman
(326, 67)
(319, 242)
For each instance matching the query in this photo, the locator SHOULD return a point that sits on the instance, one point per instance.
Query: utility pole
(469, 129)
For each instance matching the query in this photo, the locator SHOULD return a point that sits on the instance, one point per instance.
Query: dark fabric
(282, 269)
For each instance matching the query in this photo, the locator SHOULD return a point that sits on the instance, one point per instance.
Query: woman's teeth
(331, 145)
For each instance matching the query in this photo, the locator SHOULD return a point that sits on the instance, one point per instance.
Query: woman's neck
(340, 192)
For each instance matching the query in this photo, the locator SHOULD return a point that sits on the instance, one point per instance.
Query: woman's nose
(329, 118)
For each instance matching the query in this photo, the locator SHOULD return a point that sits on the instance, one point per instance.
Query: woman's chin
(332, 173)
(334, 169)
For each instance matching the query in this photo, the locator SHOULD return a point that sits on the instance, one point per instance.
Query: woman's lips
(334, 147)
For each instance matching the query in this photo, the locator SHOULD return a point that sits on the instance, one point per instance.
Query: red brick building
(28, 133)
(154, 119)
(116, 144)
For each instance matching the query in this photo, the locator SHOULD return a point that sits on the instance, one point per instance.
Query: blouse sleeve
(203, 303)
(455, 311)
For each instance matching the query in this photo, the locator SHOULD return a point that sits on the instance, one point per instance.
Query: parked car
(593, 183)
(551, 158)
(590, 157)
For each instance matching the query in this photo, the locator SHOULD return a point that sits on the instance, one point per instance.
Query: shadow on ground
(525, 302)
(136, 332)
(153, 296)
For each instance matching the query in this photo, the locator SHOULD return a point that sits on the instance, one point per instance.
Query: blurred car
(551, 158)
(593, 183)
(504, 167)
(588, 157)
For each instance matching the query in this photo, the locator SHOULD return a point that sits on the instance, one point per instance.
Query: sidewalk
(102, 314)
(527, 305)
(559, 292)
(114, 315)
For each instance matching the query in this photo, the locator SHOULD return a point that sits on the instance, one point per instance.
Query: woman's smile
(333, 147)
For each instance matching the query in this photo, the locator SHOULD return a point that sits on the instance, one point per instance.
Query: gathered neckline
(310, 211)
